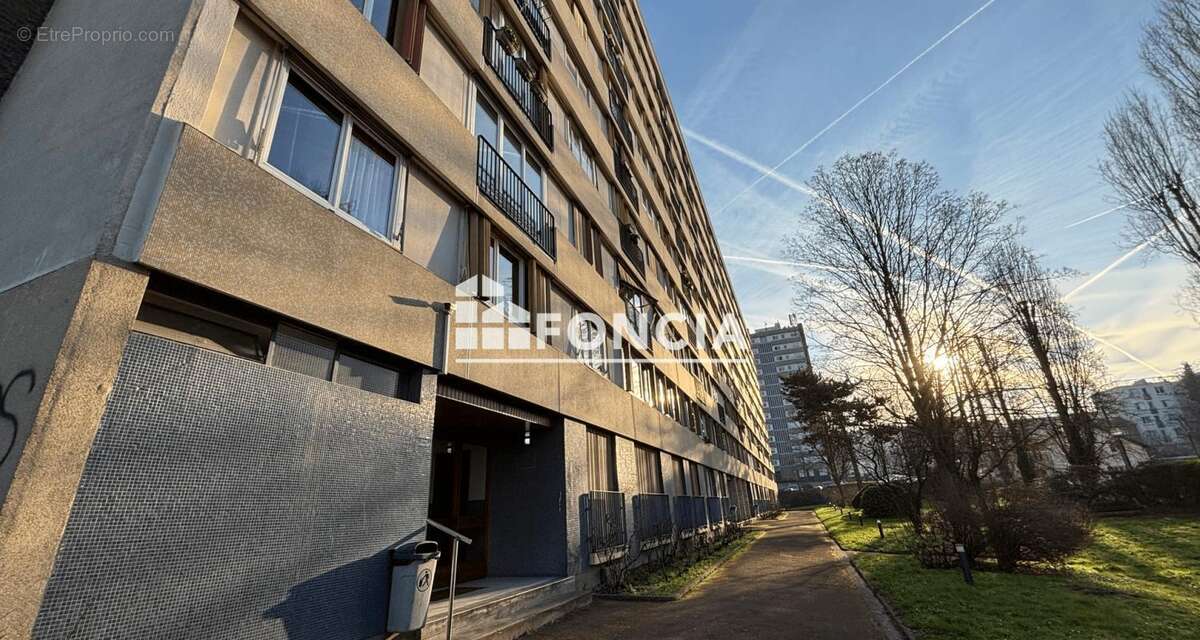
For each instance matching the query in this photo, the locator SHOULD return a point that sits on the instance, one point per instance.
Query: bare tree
(1065, 359)
(897, 255)
(1152, 148)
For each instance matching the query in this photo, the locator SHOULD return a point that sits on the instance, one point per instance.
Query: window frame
(350, 124)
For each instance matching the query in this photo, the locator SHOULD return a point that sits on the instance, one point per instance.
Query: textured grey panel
(226, 499)
(302, 352)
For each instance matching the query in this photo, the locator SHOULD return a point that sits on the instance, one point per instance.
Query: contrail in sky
(771, 171)
(1116, 263)
(742, 158)
(1122, 206)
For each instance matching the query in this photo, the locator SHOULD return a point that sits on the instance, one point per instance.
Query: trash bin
(412, 584)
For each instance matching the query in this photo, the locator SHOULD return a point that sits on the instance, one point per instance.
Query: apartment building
(778, 351)
(1153, 408)
(246, 246)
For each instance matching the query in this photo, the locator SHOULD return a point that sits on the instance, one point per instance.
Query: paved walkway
(792, 583)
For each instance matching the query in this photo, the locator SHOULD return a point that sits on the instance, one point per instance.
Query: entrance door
(458, 498)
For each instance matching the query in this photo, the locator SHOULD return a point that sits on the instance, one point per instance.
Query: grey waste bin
(412, 584)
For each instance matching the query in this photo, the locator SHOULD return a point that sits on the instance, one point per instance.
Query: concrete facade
(154, 261)
(778, 351)
(1153, 408)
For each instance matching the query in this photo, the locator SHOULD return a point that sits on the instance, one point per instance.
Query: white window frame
(396, 218)
(519, 297)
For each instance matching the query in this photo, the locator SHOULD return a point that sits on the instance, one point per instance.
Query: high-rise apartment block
(778, 351)
(278, 282)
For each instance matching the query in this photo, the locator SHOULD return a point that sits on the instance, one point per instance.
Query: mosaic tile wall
(226, 499)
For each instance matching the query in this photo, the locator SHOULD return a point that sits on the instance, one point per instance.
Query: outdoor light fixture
(526, 433)
(449, 447)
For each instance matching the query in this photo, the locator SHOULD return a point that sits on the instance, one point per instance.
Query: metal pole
(965, 564)
(453, 580)
(879, 523)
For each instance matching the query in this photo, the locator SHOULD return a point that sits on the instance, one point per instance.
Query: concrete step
(508, 612)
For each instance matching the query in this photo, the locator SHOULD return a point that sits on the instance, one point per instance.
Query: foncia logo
(490, 325)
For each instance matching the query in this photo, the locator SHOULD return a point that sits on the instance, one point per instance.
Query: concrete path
(792, 583)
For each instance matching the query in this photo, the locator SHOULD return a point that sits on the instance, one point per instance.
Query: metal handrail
(447, 530)
(455, 538)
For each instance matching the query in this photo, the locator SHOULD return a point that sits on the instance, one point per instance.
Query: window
(380, 13)
(306, 136)
(509, 271)
(400, 22)
(323, 150)
(369, 189)
(602, 462)
(492, 126)
(592, 343)
(649, 470)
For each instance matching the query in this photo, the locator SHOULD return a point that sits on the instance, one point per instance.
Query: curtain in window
(369, 185)
(602, 475)
(649, 471)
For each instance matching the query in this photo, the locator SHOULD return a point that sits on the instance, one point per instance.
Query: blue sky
(1012, 104)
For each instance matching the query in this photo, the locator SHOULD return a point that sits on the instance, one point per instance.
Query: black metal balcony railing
(683, 515)
(519, 86)
(652, 513)
(617, 106)
(631, 244)
(699, 512)
(532, 11)
(504, 187)
(624, 175)
(606, 521)
(715, 514)
(614, 61)
(610, 12)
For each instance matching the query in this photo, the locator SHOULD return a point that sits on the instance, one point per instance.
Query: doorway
(458, 499)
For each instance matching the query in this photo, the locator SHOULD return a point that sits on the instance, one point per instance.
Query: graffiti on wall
(10, 426)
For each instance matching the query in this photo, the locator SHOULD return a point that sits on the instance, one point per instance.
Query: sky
(1007, 97)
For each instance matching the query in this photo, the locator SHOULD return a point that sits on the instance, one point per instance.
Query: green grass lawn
(1139, 578)
(844, 528)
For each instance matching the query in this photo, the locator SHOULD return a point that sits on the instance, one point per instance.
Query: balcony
(619, 114)
(607, 536)
(505, 188)
(614, 61)
(624, 175)
(631, 245)
(699, 507)
(652, 515)
(606, 8)
(684, 517)
(716, 510)
(532, 11)
(518, 78)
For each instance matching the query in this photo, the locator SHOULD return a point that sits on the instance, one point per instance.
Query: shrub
(1028, 526)
(880, 501)
(1175, 485)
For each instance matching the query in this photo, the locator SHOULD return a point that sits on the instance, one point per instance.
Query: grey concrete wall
(575, 463)
(74, 368)
(627, 483)
(528, 534)
(34, 318)
(75, 126)
(317, 272)
(228, 499)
